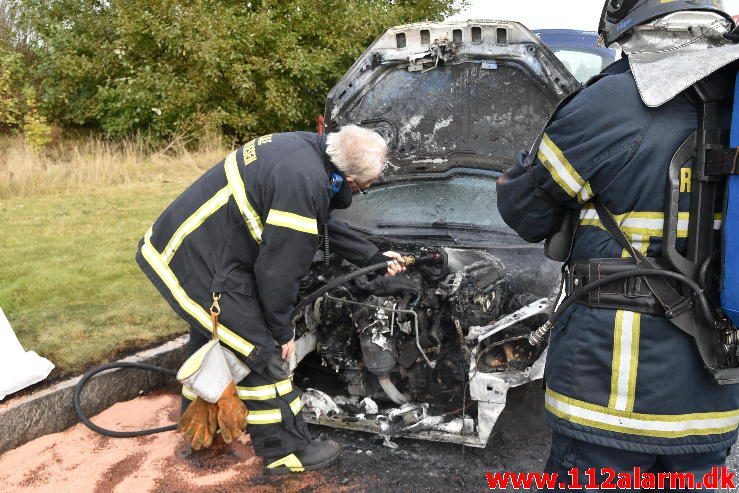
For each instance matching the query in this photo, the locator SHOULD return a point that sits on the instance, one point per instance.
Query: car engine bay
(410, 344)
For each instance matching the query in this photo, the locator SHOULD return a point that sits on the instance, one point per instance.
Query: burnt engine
(403, 337)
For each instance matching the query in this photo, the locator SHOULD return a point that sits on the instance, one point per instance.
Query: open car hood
(454, 94)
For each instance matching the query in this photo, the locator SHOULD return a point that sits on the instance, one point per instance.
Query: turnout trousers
(275, 422)
(567, 454)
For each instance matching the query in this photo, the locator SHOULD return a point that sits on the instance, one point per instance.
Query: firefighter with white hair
(241, 238)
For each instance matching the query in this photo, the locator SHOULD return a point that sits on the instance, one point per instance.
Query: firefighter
(246, 232)
(625, 387)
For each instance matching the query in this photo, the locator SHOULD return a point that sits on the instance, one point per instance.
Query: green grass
(69, 283)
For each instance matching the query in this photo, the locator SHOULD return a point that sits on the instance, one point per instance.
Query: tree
(165, 66)
(14, 58)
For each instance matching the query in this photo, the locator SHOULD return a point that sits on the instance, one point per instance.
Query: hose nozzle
(433, 258)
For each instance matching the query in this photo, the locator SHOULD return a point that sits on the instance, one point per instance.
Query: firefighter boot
(317, 455)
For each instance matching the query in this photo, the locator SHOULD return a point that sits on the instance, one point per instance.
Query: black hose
(112, 433)
(336, 283)
(694, 286)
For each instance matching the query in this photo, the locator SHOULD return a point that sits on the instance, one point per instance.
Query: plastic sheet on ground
(18, 368)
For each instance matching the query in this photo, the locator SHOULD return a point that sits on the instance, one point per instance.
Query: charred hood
(454, 94)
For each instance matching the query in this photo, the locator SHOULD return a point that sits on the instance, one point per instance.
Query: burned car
(432, 352)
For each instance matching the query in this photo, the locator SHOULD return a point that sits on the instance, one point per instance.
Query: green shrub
(156, 67)
(36, 129)
(12, 74)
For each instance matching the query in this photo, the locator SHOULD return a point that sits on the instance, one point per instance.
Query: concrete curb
(51, 410)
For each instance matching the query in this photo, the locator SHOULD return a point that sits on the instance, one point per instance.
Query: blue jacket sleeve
(582, 149)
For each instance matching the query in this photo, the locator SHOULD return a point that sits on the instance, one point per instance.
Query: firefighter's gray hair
(357, 152)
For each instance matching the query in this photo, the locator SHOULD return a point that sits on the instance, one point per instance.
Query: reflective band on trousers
(652, 425)
(265, 392)
(197, 312)
(626, 337)
(271, 416)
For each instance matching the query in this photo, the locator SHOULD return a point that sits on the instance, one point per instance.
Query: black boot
(317, 455)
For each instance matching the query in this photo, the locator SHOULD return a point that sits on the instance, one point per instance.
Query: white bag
(210, 370)
(18, 369)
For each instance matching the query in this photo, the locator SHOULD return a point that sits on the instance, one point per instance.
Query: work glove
(199, 423)
(211, 374)
(231, 414)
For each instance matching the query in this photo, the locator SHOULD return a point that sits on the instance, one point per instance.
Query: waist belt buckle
(633, 287)
(677, 310)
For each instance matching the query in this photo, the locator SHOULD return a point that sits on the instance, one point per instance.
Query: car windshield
(582, 64)
(457, 203)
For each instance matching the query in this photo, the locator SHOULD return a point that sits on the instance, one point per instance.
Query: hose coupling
(538, 337)
(409, 260)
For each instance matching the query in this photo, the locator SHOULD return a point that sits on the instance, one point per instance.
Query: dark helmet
(621, 15)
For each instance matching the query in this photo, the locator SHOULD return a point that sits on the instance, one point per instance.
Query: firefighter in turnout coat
(625, 387)
(249, 229)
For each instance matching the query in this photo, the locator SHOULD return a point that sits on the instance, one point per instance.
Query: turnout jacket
(616, 377)
(249, 225)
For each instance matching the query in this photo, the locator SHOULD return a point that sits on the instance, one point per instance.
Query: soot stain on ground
(35, 477)
(119, 471)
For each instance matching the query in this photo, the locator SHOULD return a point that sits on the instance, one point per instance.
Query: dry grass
(70, 222)
(80, 165)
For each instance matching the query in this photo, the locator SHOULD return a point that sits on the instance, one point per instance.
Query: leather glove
(199, 423)
(231, 414)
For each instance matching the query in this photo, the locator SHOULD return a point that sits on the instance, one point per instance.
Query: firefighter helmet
(619, 16)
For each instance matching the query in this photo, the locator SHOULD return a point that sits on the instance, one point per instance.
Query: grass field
(69, 283)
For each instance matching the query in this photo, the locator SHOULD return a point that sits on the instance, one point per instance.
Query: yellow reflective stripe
(292, 221)
(718, 220)
(265, 392)
(616, 359)
(625, 360)
(562, 172)
(238, 190)
(186, 303)
(634, 366)
(296, 405)
(284, 387)
(654, 425)
(267, 417)
(188, 394)
(194, 222)
(289, 461)
(643, 223)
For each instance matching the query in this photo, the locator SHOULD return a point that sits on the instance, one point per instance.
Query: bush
(36, 129)
(12, 75)
(163, 67)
